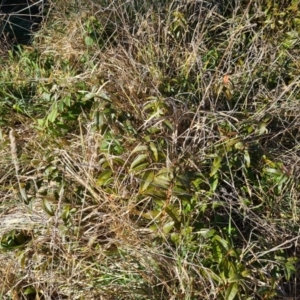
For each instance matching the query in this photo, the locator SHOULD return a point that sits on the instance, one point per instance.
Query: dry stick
(14, 156)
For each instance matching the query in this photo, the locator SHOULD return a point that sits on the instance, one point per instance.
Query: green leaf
(168, 227)
(155, 193)
(217, 252)
(41, 122)
(88, 96)
(289, 270)
(262, 128)
(104, 96)
(235, 278)
(162, 180)
(152, 214)
(173, 217)
(239, 146)
(53, 114)
(247, 158)
(138, 160)
(232, 142)
(65, 212)
(228, 94)
(23, 194)
(246, 273)
(29, 291)
(60, 106)
(88, 41)
(154, 151)
(147, 179)
(273, 171)
(206, 232)
(175, 237)
(46, 96)
(216, 166)
(47, 207)
(231, 291)
(118, 161)
(139, 148)
(104, 178)
(168, 124)
(214, 185)
(221, 241)
(141, 167)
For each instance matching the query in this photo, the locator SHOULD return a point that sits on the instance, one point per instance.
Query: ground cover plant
(150, 150)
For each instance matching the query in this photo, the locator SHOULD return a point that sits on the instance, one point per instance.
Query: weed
(150, 150)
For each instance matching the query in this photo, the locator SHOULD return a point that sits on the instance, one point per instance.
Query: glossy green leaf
(47, 207)
(65, 212)
(228, 94)
(88, 96)
(53, 114)
(232, 291)
(154, 151)
(139, 148)
(29, 291)
(216, 165)
(239, 145)
(221, 241)
(232, 143)
(118, 161)
(46, 96)
(141, 167)
(22, 259)
(138, 160)
(289, 270)
(217, 252)
(214, 185)
(175, 237)
(262, 128)
(173, 217)
(246, 273)
(153, 129)
(162, 180)
(247, 158)
(23, 194)
(235, 278)
(60, 105)
(206, 232)
(147, 179)
(104, 178)
(273, 171)
(168, 124)
(168, 227)
(88, 41)
(103, 95)
(152, 214)
(156, 193)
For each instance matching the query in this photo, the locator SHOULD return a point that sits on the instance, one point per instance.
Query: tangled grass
(151, 151)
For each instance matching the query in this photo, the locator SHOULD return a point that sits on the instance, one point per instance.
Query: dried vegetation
(150, 150)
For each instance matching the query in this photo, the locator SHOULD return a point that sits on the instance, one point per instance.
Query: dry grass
(146, 154)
